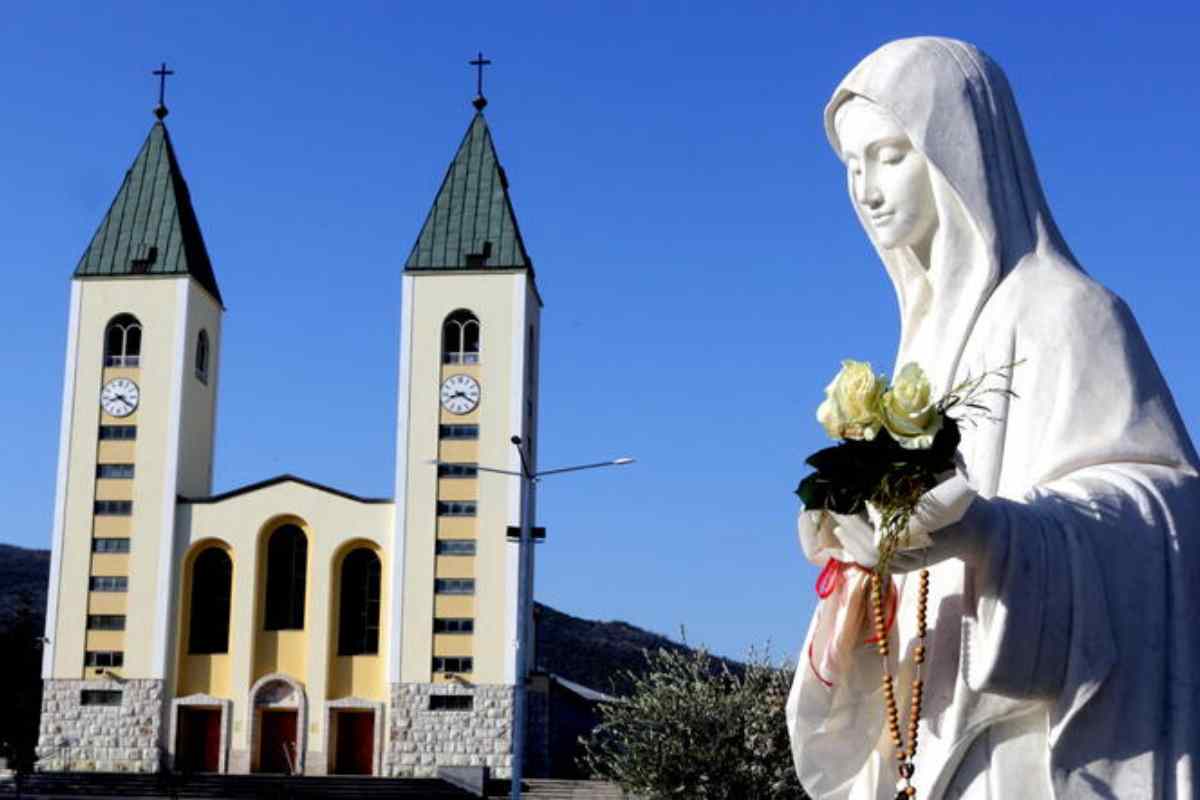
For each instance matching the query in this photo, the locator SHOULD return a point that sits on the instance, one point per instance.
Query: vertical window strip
(113, 508)
(103, 658)
(453, 664)
(458, 431)
(456, 508)
(453, 625)
(454, 586)
(455, 547)
(458, 470)
(121, 433)
(108, 583)
(100, 697)
(106, 622)
(114, 471)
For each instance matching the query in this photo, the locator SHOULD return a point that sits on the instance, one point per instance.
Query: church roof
(151, 228)
(278, 479)
(471, 224)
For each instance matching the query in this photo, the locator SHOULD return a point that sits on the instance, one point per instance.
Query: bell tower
(470, 327)
(138, 415)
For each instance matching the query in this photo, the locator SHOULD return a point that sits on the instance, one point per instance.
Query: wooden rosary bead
(904, 751)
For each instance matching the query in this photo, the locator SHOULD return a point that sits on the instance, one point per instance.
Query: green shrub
(693, 727)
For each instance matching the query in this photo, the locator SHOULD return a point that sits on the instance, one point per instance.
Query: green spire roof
(151, 228)
(471, 224)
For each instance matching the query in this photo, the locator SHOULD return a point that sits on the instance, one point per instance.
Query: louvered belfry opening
(460, 338)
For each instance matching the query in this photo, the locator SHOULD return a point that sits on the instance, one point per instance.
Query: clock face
(460, 394)
(119, 397)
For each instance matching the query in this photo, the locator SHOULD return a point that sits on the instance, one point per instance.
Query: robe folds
(1064, 660)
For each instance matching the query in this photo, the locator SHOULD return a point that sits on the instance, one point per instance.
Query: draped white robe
(1065, 663)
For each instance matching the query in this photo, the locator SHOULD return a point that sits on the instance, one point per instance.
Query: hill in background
(23, 577)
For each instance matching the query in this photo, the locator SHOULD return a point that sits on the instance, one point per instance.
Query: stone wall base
(100, 738)
(421, 740)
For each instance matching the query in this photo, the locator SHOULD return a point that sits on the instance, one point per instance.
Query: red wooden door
(277, 741)
(198, 748)
(355, 743)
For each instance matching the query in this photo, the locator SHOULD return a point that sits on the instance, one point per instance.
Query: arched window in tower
(202, 356)
(358, 613)
(212, 587)
(123, 341)
(287, 565)
(460, 338)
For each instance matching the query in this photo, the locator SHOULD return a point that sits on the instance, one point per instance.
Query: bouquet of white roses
(896, 443)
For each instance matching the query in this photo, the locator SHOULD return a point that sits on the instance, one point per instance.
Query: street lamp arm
(436, 462)
(618, 462)
(499, 471)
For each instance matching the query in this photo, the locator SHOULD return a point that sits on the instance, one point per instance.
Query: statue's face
(887, 176)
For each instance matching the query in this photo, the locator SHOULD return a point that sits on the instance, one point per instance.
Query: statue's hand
(938, 520)
(825, 535)
(856, 532)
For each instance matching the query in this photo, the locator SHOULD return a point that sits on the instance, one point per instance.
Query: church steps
(549, 789)
(233, 787)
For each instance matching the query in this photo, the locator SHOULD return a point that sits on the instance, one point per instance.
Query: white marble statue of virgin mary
(1064, 608)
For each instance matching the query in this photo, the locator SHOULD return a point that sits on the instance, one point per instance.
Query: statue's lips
(882, 219)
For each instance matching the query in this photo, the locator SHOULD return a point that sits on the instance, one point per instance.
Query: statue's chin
(888, 237)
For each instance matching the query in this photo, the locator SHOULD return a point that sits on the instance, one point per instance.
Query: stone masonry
(421, 740)
(101, 738)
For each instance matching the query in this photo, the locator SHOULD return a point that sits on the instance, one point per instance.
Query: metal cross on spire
(162, 73)
(479, 63)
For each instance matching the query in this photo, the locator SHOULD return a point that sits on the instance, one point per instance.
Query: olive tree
(694, 726)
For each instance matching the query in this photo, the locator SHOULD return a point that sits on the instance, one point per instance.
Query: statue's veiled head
(941, 177)
(954, 105)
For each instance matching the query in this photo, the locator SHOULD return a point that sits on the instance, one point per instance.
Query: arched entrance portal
(280, 723)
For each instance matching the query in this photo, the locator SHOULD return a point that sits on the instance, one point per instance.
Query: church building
(287, 626)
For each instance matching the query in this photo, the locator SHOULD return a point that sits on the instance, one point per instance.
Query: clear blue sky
(702, 270)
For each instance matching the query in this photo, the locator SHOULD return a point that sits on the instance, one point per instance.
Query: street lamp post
(529, 481)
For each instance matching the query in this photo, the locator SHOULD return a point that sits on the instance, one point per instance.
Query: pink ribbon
(845, 591)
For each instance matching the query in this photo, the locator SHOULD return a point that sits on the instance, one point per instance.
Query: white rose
(908, 412)
(851, 407)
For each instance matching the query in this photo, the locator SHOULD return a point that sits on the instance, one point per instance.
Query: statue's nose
(866, 190)
(871, 197)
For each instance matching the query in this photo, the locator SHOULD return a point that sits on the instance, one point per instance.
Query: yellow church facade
(288, 626)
